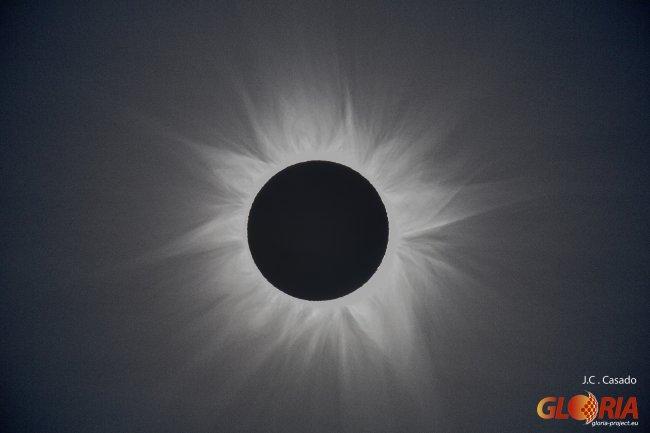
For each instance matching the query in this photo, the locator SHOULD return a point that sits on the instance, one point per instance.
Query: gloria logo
(587, 408)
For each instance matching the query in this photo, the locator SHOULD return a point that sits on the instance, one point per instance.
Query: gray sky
(552, 96)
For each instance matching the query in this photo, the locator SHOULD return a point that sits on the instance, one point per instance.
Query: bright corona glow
(374, 327)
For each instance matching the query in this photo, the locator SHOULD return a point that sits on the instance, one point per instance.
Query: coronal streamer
(372, 336)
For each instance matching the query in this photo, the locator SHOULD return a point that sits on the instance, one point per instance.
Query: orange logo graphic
(583, 407)
(587, 408)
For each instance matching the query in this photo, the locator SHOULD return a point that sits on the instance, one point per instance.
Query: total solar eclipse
(317, 230)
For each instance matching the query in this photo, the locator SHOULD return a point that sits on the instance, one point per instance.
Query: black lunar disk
(317, 230)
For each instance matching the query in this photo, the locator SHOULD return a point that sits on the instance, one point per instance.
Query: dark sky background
(555, 93)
